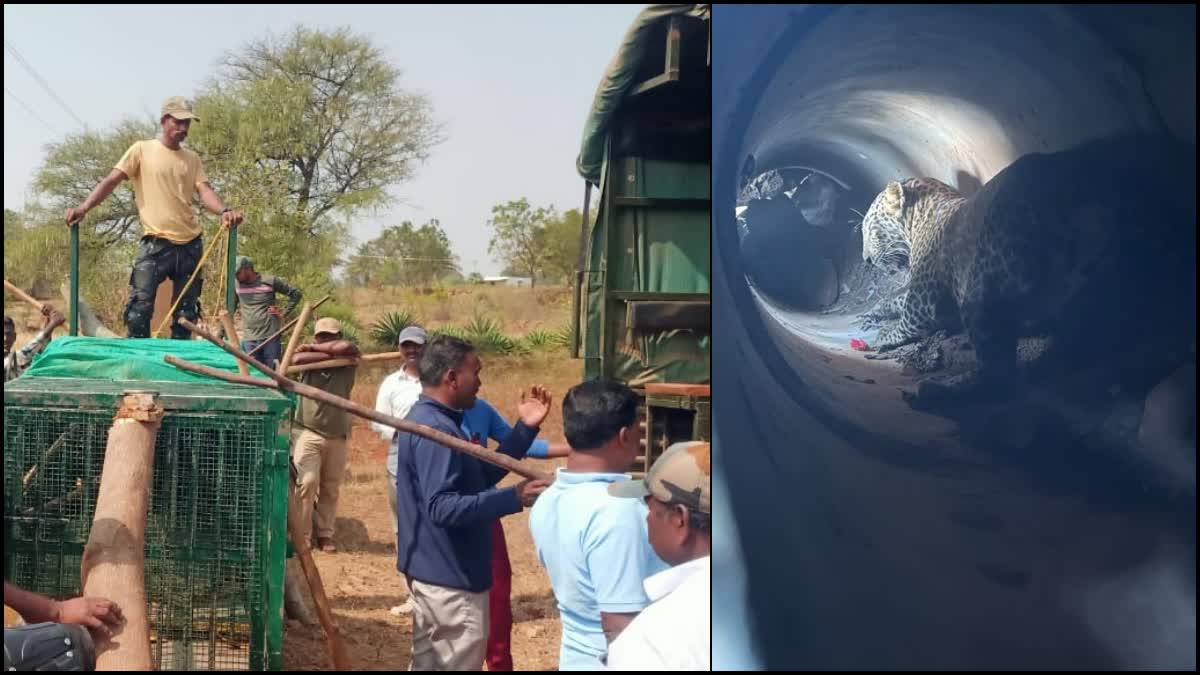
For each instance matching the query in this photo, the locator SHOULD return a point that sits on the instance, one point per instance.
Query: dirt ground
(361, 577)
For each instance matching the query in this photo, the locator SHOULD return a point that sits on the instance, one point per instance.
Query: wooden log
(114, 559)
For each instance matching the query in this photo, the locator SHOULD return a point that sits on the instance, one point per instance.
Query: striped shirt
(255, 297)
(16, 362)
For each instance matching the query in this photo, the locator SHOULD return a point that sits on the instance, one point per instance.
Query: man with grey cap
(674, 632)
(321, 432)
(261, 317)
(166, 178)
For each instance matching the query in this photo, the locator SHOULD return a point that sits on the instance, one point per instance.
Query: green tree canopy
(403, 254)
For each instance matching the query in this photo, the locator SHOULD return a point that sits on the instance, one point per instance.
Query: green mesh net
(127, 360)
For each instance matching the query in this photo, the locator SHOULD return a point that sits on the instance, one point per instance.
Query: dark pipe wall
(868, 540)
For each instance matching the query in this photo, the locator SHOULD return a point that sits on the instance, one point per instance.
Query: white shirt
(673, 633)
(397, 394)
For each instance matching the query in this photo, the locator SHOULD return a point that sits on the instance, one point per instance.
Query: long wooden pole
(16, 290)
(294, 341)
(476, 451)
(322, 365)
(337, 645)
(296, 531)
(281, 382)
(338, 363)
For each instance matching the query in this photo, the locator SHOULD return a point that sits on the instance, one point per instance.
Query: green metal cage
(216, 531)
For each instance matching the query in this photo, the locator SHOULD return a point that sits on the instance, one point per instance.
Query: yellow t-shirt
(164, 184)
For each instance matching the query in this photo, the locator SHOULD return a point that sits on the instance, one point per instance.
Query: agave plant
(487, 336)
(350, 332)
(482, 325)
(561, 337)
(539, 339)
(386, 331)
(547, 340)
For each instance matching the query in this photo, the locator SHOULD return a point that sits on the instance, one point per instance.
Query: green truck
(642, 311)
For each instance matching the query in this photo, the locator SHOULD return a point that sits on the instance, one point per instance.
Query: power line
(396, 257)
(13, 50)
(30, 111)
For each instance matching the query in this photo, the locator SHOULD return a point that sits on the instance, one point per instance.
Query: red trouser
(499, 642)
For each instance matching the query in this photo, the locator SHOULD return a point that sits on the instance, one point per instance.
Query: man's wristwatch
(225, 210)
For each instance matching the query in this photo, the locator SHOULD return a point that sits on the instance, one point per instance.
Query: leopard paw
(889, 337)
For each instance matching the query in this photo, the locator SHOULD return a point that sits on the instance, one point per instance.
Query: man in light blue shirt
(594, 546)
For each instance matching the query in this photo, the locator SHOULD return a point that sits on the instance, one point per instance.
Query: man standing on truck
(166, 177)
(261, 317)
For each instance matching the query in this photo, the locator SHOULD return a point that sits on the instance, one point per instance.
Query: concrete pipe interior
(885, 93)
(825, 105)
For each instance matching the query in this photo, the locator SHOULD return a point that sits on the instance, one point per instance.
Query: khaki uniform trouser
(321, 463)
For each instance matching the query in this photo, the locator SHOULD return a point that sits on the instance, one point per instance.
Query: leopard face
(884, 239)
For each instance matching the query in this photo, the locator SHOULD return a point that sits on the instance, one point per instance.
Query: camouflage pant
(158, 260)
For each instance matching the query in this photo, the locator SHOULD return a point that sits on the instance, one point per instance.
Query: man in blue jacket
(446, 502)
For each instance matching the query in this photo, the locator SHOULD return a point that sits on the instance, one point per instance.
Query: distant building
(518, 282)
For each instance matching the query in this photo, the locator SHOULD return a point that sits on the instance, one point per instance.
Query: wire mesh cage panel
(217, 525)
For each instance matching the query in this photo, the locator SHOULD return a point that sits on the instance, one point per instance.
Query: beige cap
(180, 108)
(328, 325)
(682, 475)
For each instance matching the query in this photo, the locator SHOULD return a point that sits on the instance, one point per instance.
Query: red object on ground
(499, 642)
(859, 345)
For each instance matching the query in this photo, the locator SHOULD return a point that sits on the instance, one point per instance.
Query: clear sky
(511, 83)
